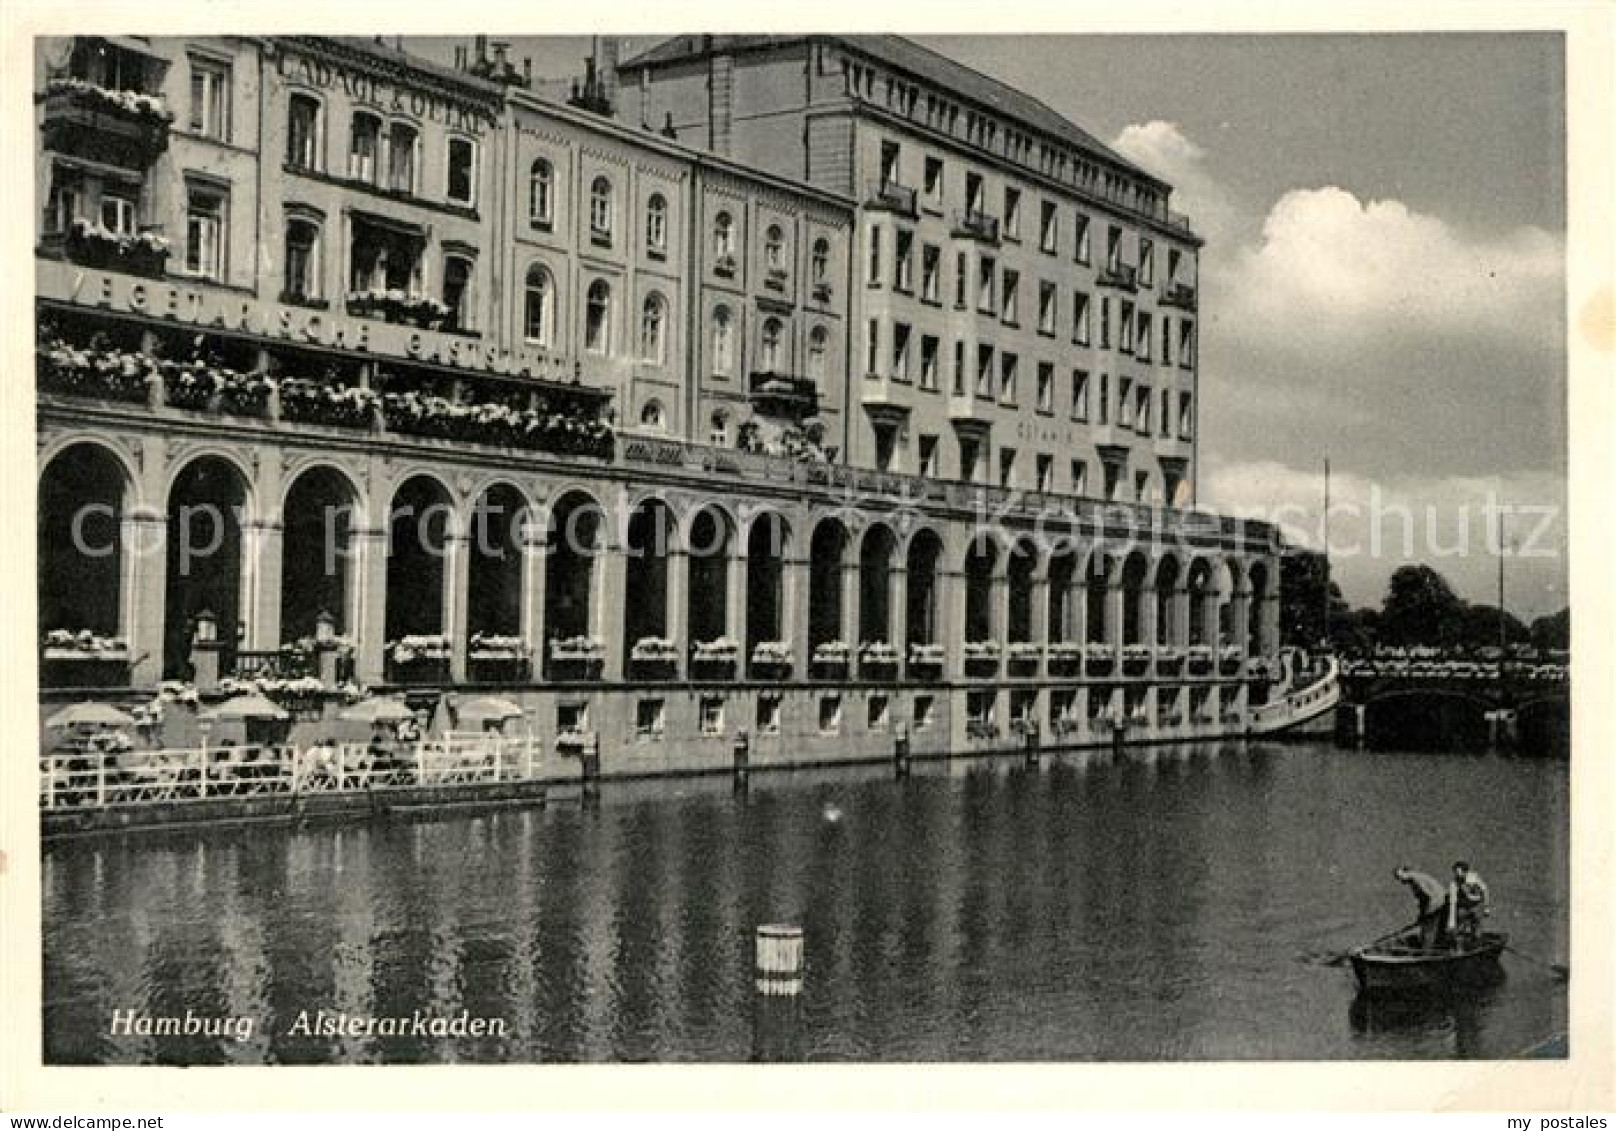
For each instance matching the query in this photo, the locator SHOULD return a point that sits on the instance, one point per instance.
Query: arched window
(723, 341)
(600, 209)
(598, 318)
(652, 416)
(302, 258)
(364, 148)
(769, 351)
(305, 133)
(817, 344)
(774, 248)
(537, 306)
(541, 194)
(719, 436)
(821, 260)
(656, 225)
(653, 329)
(724, 241)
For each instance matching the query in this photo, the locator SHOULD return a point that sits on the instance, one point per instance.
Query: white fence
(77, 779)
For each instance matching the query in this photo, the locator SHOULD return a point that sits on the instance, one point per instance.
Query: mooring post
(1029, 741)
(1359, 715)
(589, 758)
(777, 1000)
(742, 758)
(900, 752)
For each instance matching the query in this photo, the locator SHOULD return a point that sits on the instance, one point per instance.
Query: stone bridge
(1456, 704)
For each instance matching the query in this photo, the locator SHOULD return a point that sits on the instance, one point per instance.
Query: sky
(1382, 283)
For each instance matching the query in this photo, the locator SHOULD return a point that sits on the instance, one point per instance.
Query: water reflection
(1129, 905)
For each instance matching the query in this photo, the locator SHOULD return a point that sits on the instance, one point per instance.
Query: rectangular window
(1186, 343)
(930, 267)
(1008, 364)
(1007, 467)
(889, 163)
(210, 98)
(462, 182)
(1144, 334)
(401, 143)
(979, 708)
(1125, 402)
(1105, 398)
(1113, 249)
(1012, 295)
(1147, 263)
(204, 232)
(1012, 213)
(984, 371)
(928, 362)
(1080, 394)
(118, 213)
(962, 279)
(364, 148)
(302, 259)
(1080, 478)
(924, 708)
(572, 717)
(712, 715)
(1083, 251)
(928, 456)
(1141, 487)
(984, 286)
(66, 201)
(1046, 386)
(878, 710)
(1186, 418)
(1080, 318)
(650, 719)
(1105, 323)
(875, 255)
(1046, 308)
(903, 260)
(1045, 472)
(1113, 482)
(768, 714)
(959, 369)
(830, 714)
(1049, 228)
(1167, 340)
(900, 351)
(1173, 259)
(304, 136)
(1166, 412)
(934, 182)
(973, 192)
(1125, 327)
(1143, 414)
(969, 456)
(872, 348)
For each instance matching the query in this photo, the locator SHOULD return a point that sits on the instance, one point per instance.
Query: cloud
(1332, 273)
(1160, 148)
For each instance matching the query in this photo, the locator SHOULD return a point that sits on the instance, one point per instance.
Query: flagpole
(1325, 620)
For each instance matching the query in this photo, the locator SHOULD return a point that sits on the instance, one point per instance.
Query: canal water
(1169, 903)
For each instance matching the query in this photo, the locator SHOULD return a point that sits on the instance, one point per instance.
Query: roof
(921, 62)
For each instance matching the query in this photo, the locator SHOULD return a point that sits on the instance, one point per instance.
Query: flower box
(1098, 653)
(1066, 726)
(308, 402)
(981, 650)
(90, 244)
(831, 652)
(399, 307)
(1025, 652)
(577, 649)
(772, 656)
(490, 647)
(878, 652)
(245, 394)
(410, 648)
(104, 374)
(1065, 652)
(104, 124)
(981, 728)
(189, 385)
(65, 644)
(654, 650)
(1023, 726)
(720, 651)
(927, 655)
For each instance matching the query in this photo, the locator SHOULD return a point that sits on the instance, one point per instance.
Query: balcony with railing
(1122, 275)
(120, 127)
(974, 224)
(1181, 295)
(889, 196)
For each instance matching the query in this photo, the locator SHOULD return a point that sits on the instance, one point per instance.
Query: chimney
(606, 70)
(499, 56)
(482, 49)
(527, 72)
(460, 56)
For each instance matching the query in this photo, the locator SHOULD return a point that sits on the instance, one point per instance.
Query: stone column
(848, 630)
(1270, 624)
(1080, 609)
(262, 547)
(370, 630)
(898, 610)
(1114, 596)
(456, 590)
(679, 606)
(1240, 618)
(534, 557)
(1180, 636)
(794, 586)
(611, 609)
(143, 594)
(735, 605)
(951, 634)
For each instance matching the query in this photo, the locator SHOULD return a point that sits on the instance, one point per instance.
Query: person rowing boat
(1432, 899)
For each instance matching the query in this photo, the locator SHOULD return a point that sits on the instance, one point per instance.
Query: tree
(1301, 601)
(1420, 608)
(1553, 631)
(1477, 627)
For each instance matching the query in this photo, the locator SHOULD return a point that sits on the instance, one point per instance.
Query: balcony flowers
(1137, 654)
(488, 646)
(579, 649)
(1025, 652)
(981, 728)
(305, 401)
(981, 651)
(772, 653)
(275, 687)
(1098, 652)
(65, 644)
(395, 305)
(94, 245)
(424, 414)
(1230, 652)
(1023, 725)
(1065, 652)
(125, 102)
(878, 652)
(926, 655)
(1066, 724)
(111, 374)
(654, 650)
(831, 652)
(409, 649)
(722, 650)
(176, 691)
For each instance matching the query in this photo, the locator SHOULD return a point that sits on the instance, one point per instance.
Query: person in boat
(1432, 899)
(1468, 903)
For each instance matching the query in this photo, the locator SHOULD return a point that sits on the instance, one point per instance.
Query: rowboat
(1399, 965)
